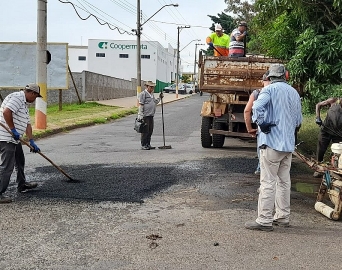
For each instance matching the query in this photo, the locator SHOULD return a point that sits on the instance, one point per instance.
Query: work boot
(253, 225)
(5, 199)
(27, 186)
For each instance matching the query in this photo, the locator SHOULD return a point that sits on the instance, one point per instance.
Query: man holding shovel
(147, 109)
(218, 41)
(14, 115)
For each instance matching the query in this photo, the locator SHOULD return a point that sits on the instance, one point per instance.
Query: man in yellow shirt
(219, 41)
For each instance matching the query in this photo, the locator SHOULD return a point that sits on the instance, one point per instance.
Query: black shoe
(151, 147)
(25, 187)
(145, 147)
(5, 199)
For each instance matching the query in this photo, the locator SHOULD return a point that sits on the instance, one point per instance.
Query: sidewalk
(129, 102)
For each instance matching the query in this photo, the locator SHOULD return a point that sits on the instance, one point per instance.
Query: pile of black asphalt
(221, 178)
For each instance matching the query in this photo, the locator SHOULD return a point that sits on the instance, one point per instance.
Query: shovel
(162, 108)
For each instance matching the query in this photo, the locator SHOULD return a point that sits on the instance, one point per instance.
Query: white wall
(74, 53)
(156, 67)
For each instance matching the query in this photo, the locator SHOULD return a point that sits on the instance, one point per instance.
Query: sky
(18, 22)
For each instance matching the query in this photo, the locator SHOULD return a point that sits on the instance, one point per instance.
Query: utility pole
(194, 78)
(41, 65)
(138, 33)
(179, 28)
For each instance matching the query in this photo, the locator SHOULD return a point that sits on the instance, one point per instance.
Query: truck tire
(218, 139)
(206, 138)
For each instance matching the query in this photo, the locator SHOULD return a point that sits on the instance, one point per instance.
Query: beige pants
(275, 186)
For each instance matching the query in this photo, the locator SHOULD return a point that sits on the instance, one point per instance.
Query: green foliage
(185, 78)
(306, 34)
(226, 21)
(244, 10)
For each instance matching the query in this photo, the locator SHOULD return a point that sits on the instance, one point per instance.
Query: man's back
(278, 103)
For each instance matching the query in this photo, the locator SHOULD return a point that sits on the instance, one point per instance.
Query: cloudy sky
(18, 22)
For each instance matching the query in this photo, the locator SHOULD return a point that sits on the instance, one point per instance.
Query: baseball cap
(33, 87)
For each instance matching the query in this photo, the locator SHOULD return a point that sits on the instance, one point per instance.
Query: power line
(99, 20)
(199, 26)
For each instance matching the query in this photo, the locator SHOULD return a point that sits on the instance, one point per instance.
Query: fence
(91, 87)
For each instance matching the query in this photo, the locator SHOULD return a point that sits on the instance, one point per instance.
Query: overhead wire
(132, 9)
(99, 20)
(101, 12)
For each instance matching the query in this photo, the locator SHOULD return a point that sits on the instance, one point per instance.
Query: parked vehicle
(229, 81)
(190, 88)
(172, 88)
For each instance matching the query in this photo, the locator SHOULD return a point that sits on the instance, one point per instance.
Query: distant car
(172, 88)
(190, 88)
(169, 89)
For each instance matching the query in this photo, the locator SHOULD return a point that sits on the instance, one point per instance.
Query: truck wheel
(206, 138)
(218, 139)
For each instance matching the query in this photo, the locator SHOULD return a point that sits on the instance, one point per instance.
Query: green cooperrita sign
(106, 45)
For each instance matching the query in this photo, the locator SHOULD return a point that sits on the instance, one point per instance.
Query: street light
(194, 78)
(179, 28)
(138, 33)
(189, 43)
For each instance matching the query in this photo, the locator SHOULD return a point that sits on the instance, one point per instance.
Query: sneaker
(5, 199)
(27, 186)
(317, 174)
(145, 147)
(281, 223)
(257, 172)
(151, 147)
(253, 225)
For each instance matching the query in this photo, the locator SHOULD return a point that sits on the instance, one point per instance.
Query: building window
(123, 55)
(145, 56)
(82, 58)
(100, 55)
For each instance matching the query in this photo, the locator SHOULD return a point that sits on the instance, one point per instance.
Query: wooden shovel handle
(40, 153)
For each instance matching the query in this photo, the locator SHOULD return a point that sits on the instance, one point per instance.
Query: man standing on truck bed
(237, 41)
(218, 41)
(277, 111)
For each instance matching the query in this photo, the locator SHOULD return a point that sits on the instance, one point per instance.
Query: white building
(118, 58)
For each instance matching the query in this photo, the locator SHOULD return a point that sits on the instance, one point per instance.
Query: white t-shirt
(16, 102)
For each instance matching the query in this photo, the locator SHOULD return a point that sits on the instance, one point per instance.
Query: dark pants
(148, 130)
(12, 156)
(324, 139)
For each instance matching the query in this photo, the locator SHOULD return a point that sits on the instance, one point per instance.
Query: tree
(185, 78)
(244, 10)
(307, 34)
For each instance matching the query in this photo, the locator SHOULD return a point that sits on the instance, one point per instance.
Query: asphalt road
(180, 208)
